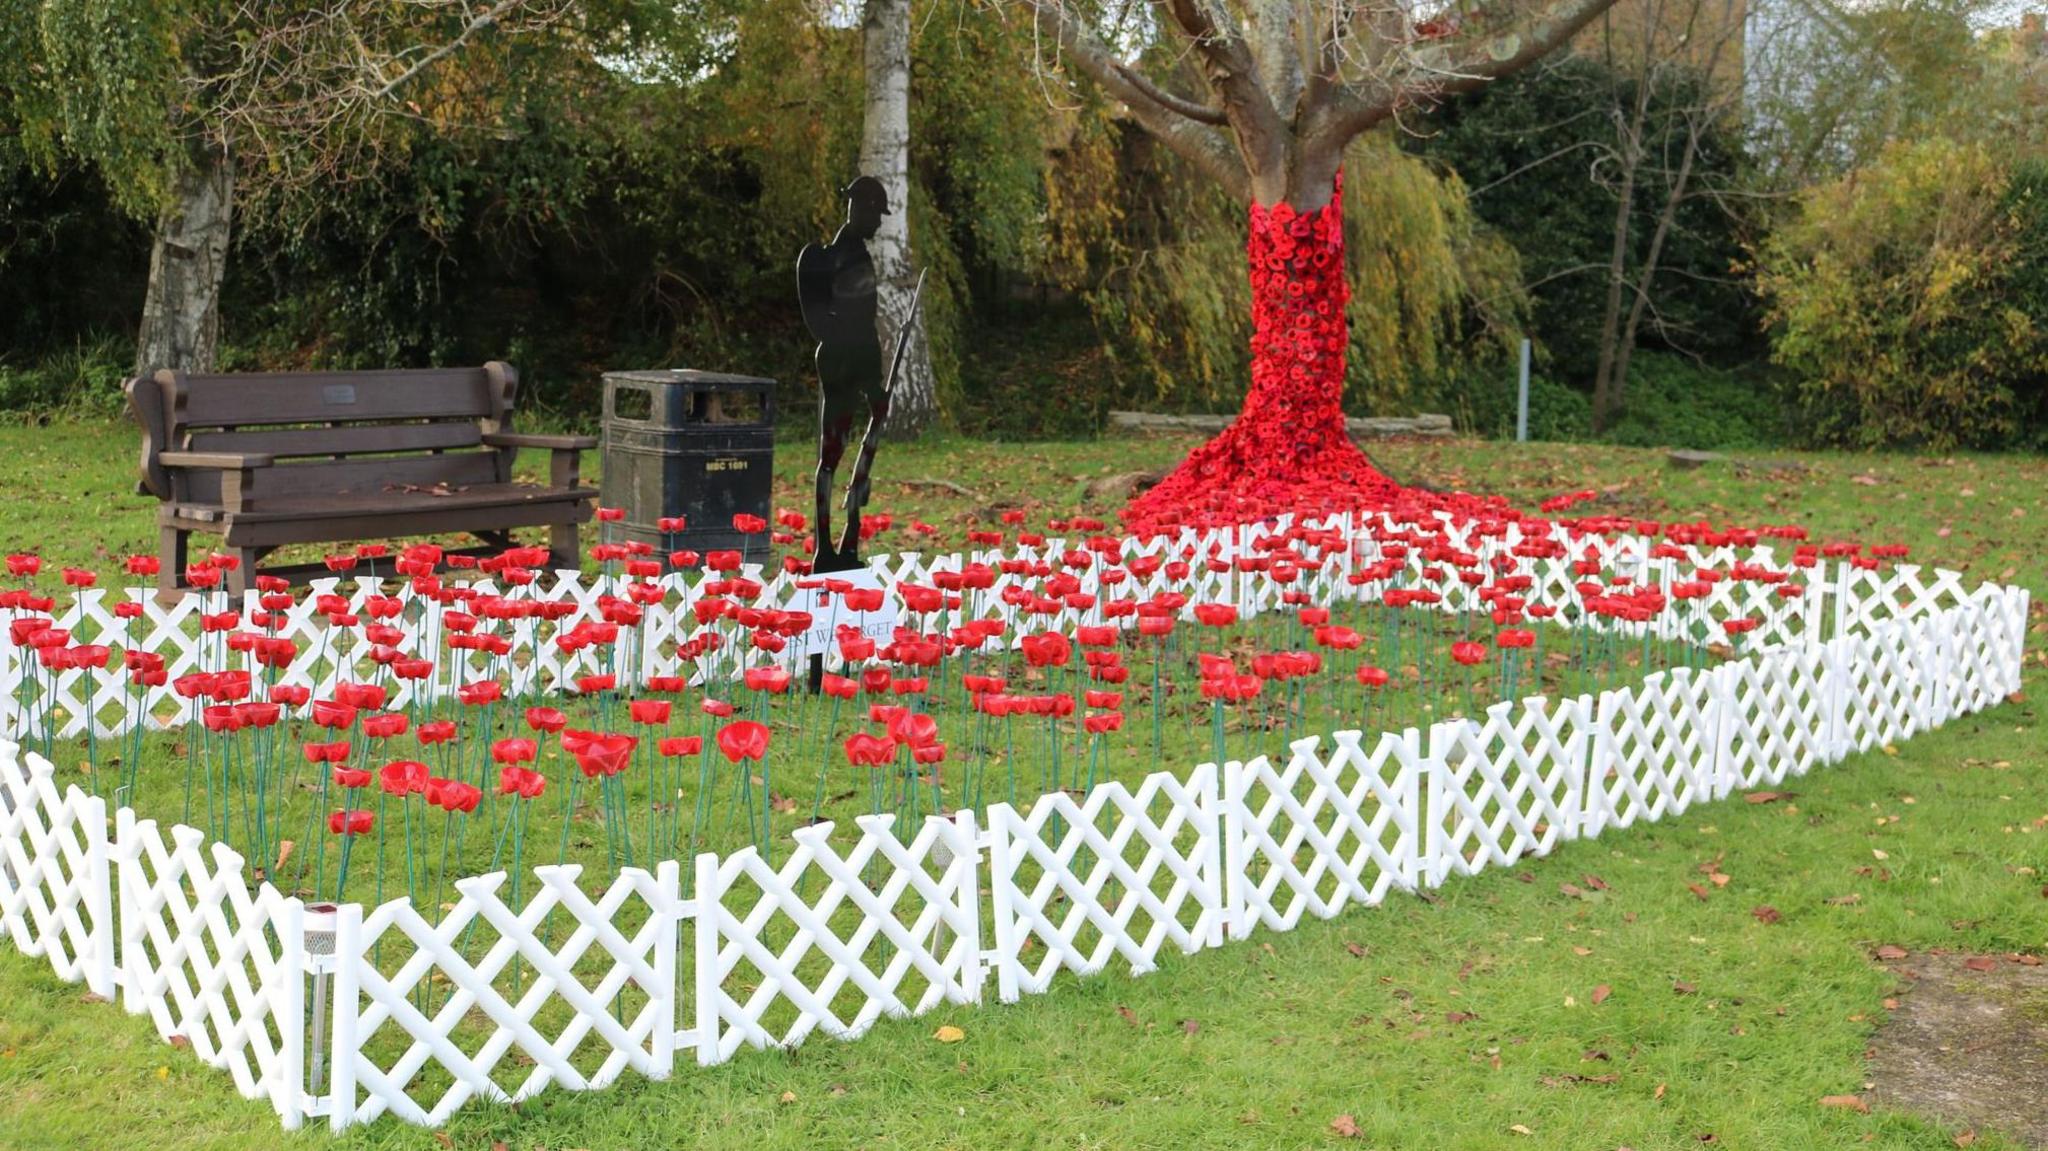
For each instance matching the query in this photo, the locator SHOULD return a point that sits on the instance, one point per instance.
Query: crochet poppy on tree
(1285, 97)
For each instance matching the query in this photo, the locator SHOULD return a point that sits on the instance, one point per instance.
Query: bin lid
(685, 376)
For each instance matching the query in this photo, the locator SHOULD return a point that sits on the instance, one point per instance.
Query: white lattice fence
(1509, 786)
(1118, 874)
(56, 888)
(352, 1013)
(492, 1001)
(1319, 834)
(833, 940)
(211, 962)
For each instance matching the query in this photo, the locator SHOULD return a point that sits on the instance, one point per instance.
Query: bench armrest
(565, 469)
(218, 461)
(530, 440)
(237, 474)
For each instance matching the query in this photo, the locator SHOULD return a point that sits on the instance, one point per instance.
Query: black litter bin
(694, 444)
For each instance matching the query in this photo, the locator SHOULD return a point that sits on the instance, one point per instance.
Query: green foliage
(1536, 150)
(1904, 300)
(82, 381)
(1161, 257)
(1674, 402)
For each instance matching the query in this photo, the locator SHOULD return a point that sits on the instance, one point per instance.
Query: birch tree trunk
(885, 155)
(187, 261)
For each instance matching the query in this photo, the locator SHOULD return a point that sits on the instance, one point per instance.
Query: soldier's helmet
(866, 192)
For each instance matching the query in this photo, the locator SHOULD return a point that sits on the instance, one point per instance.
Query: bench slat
(256, 398)
(364, 481)
(357, 439)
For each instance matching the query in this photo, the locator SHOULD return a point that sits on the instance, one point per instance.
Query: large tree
(1286, 86)
(191, 109)
(885, 155)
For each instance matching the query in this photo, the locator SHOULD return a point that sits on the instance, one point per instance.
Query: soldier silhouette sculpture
(835, 286)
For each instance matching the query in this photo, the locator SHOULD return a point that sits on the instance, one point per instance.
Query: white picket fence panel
(350, 1013)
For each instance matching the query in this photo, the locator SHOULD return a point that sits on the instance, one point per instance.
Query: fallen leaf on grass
(1846, 1102)
(1980, 963)
(787, 1097)
(1844, 900)
(1595, 882)
(1345, 1127)
(1601, 993)
(1190, 1026)
(1769, 796)
(1459, 1017)
(1697, 890)
(1967, 1137)
(1521, 1129)
(1683, 988)
(1890, 951)
(444, 1139)
(1766, 914)
(1574, 1080)
(949, 1034)
(1357, 952)
(1129, 1016)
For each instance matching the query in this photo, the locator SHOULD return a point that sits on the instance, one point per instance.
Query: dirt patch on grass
(1968, 1044)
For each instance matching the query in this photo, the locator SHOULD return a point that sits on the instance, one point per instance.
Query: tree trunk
(885, 155)
(1288, 449)
(1648, 271)
(1604, 386)
(187, 260)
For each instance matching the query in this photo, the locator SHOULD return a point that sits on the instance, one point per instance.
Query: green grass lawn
(1466, 1020)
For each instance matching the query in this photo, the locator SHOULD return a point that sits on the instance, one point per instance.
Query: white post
(1225, 799)
(1522, 398)
(1000, 893)
(288, 1077)
(348, 952)
(666, 995)
(99, 892)
(707, 897)
(966, 868)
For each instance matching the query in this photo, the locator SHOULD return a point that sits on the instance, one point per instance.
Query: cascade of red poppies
(1287, 450)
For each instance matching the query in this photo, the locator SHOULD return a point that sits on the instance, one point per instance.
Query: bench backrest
(329, 431)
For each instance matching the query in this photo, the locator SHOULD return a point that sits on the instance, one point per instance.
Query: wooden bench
(269, 459)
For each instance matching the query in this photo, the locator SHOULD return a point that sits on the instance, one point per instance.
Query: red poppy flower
(1468, 653)
(481, 692)
(865, 750)
(1107, 721)
(649, 710)
(743, 739)
(326, 752)
(838, 686)
(522, 782)
(746, 524)
(351, 822)
(435, 731)
(1215, 614)
(680, 745)
(1371, 676)
(384, 726)
(331, 714)
(403, 777)
(514, 751)
(717, 707)
(545, 719)
(351, 778)
(603, 755)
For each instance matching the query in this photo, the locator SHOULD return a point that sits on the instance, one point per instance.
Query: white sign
(828, 611)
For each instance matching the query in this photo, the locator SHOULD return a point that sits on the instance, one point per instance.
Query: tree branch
(1200, 113)
(1199, 143)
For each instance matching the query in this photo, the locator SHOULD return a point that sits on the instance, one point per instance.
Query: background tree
(190, 108)
(885, 155)
(1289, 85)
